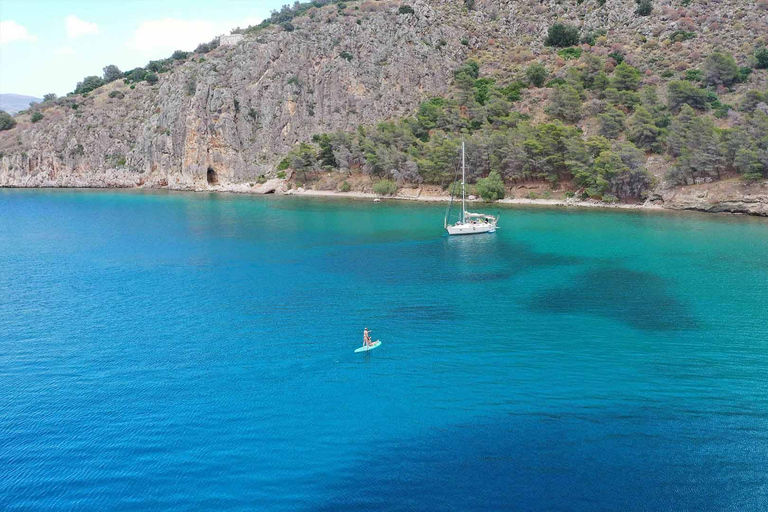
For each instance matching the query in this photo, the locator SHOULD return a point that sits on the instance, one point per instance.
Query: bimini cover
(478, 215)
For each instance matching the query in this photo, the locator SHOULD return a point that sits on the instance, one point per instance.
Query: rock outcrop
(731, 196)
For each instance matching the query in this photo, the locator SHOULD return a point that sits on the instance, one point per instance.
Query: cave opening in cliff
(213, 178)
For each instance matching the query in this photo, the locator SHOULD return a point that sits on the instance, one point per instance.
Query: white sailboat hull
(471, 229)
(470, 223)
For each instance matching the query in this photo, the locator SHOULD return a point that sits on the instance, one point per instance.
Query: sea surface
(173, 351)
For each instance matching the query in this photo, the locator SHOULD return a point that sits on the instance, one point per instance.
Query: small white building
(230, 39)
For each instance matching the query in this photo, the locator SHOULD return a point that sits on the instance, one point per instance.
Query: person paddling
(368, 344)
(367, 338)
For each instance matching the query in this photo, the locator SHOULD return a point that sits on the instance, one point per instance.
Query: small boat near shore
(469, 223)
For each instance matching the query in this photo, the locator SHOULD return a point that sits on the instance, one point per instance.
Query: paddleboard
(365, 348)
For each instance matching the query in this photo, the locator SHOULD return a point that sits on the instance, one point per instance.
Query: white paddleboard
(366, 348)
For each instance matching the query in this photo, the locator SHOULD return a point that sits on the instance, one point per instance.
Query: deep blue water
(190, 351)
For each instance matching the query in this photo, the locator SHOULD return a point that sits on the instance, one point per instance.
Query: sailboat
(469, 223)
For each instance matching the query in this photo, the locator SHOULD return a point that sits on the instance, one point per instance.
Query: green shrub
(179, 55)
(281, 174)
(207, 47)
(116, 94)
(751, 100)
(743, 74)
(133, 86)
(644, 7)
(693, 75)
(88, 84)
(561, 36)
(6, 121)
(556, 81)
(491, 188)
(610, 198)
(37, 116)
(570, 193)
(761, 58)
(536, 74)
(721, 111)
(151, 78)
(678, 36)
(112, 73)
(346, 55)
(720, 69)
(288, 26)
(157, 66)
(667, 73)
(680, 93)
(345, 187)
(465, 41)
(283, 165)
(618, 57)
(385, 188)
(512, 91)
(591, 37)
(405, 9)
(570, 53)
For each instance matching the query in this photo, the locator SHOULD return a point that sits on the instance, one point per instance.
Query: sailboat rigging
(469, 223)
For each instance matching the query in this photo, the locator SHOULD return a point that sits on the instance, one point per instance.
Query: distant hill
(13, 103)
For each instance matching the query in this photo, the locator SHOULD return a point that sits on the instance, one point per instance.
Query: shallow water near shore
(188, 351)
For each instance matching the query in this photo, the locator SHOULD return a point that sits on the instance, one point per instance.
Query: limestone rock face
(236, 109)
(731, 196)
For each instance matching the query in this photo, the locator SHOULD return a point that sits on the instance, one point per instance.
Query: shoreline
(356, 195)
(407, 195)
(567, 203)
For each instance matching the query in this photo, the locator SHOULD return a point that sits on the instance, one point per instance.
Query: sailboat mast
(463, 173)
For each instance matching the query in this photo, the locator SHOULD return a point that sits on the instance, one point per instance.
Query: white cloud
(77, 27)
(174, 34)
(64, 50)
(12, 31)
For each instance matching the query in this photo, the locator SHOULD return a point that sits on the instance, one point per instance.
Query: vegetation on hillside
(602, 125)
(6, 121)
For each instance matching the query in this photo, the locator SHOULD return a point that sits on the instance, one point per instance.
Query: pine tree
(564, 103)
(626, 77)
(611, 123)
(642, 130)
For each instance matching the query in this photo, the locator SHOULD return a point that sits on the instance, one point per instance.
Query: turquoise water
(183, 351)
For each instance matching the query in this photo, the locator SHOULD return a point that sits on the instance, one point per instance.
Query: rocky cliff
(235, 109)
(225, 118)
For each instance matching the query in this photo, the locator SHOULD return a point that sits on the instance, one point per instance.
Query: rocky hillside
(227, 117)
(235, 109)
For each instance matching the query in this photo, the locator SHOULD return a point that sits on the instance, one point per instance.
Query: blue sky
(50, 45)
